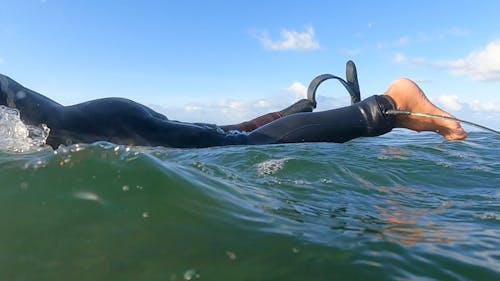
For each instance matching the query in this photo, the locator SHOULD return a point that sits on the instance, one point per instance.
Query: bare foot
(408, 96)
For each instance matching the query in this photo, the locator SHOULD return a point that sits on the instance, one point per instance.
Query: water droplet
(125, 188)
(24, 185)
(191, 274)
(86, 195)
(231, 255)
(20, 95)
(327, 181)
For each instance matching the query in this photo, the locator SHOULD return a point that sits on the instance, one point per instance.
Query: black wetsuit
(123, 121)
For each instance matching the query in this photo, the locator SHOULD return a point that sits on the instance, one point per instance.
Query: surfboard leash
(405, 112)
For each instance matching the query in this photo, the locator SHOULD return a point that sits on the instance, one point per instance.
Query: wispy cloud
(420, 80)
(228, 111)
(482, 64)
(399, 58)
(458, 32)
(450, 102)
(422, 37)
(291, 40)
(1, 60)
(482, 106)
(401, 41)
(223, 111)
(298, 90)
(453, 103)
(483, 112)
(352, 52)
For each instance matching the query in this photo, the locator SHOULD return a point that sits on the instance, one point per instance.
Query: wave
(374, 208)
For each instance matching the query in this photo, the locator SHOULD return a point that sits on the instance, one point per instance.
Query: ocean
(403, 206)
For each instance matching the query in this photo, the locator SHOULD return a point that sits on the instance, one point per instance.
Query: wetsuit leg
(365, 118)
(117, 120)
(35, 108)
(126, 122)
(123, 121)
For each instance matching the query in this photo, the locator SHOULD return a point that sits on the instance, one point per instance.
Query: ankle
(303, 105)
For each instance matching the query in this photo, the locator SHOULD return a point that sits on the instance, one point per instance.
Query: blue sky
(226, 61)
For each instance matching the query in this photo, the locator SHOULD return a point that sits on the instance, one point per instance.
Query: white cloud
(223, 111)
(481, 65)
(298, 90)
(263, 104)
(453, 103)
(450, 103)
(486, 113)
(479, 106)
(192, 108)
(291, 40)
(232, 111)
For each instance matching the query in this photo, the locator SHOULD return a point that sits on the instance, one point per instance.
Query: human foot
(409, 97)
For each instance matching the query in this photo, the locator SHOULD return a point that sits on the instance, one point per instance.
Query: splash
(271, 167)
(15, 136)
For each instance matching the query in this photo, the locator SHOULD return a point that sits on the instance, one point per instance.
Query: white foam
(271, 167)
(15, 136)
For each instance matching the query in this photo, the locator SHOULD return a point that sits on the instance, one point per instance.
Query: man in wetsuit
(123, 121)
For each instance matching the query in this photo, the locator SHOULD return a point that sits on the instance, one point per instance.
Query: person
(126, 122)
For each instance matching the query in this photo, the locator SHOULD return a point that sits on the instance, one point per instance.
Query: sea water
(402, 206)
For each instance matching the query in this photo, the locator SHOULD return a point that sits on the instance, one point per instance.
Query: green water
(398, 207)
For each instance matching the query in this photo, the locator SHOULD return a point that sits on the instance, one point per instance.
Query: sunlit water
(398, 207)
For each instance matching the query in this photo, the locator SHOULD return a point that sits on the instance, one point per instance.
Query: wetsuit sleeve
(362, 119)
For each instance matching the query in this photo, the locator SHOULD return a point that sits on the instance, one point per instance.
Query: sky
(227, 61)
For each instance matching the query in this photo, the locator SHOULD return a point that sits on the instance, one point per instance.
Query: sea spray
(15, 136)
